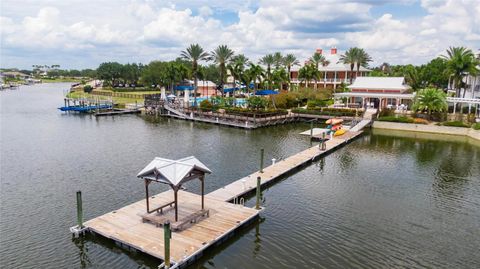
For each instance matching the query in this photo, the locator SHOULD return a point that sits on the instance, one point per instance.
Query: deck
(125, 226)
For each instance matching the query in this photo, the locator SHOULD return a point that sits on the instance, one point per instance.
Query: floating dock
(125, 225)
(118, 112)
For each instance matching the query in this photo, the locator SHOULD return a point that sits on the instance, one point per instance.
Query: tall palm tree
(237, 67)
(350, 57)
(318, 59)
(268, 60)
(221, 56)
(277, 59)
(460, 62)
(195, 53)
(307, 73)
(362, 59)
(430, 99)
(290, 60)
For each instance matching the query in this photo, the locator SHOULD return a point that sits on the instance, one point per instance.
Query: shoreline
(468, 133)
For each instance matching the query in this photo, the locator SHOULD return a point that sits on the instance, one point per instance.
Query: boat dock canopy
(173, 172)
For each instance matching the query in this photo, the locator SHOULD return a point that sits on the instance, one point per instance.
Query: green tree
(277, 60)
(350, 57)
(221, 56)
(318, 59)
(430, 100)
(307, 73)
(279, 77)
(290, 60)
(460, 62)
(268, 60)
(195, 53)
(256, 72)
(362, 59)
(111, 72)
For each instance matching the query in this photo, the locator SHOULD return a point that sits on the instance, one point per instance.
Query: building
(378, 92)
(334, 72)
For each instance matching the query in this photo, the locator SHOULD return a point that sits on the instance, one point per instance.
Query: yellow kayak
(339, 132)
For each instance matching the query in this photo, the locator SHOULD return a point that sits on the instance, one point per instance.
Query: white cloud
(144, 30)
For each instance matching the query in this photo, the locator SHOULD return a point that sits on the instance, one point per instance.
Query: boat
(339, 132)
(334, 121)
(336, 127)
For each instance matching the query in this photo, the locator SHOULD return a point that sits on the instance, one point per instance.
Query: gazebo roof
(173, 172)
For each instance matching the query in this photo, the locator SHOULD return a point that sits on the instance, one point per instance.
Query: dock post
(262, 152)
(257, 205)
(324, 146)
(167, 233)
(79, 210)
(311, 132)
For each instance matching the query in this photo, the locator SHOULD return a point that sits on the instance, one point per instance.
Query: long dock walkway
(248, 184)
(125, 225)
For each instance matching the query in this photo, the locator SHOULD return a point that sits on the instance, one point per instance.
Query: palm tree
(237, 67)
(268, 60)
(318, 59)
(202, 75)
(460, 62)
(256, 71)
(279, 76)
(430, 99)
(362, 59)
(277, 59)
(350, 57)
(289, 61)
(307, 73)
(194, 53)
(221, 56)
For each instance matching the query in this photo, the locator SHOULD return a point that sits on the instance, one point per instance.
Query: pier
(127, 227)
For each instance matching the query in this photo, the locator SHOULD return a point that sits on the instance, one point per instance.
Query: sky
(79, 34)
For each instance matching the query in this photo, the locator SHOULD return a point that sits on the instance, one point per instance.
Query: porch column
(325, 80)
(335, 81)
(175, 196)
(346, 76)
(146, 194)
(454, 107)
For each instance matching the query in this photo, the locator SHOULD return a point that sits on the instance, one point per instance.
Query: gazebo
(173, 173)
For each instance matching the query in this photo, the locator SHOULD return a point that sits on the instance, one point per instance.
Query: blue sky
(84, 33)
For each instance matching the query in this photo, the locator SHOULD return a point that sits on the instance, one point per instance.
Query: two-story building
(333, 73)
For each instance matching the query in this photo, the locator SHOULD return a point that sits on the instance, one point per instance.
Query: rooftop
(384, 83)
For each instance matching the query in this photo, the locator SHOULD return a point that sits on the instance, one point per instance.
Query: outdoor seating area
(173, 173)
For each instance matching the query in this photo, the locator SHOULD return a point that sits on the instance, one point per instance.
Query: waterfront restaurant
(334, 72)
(378, 92)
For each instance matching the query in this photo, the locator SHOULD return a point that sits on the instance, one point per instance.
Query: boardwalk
(125, 225)
(247, 184)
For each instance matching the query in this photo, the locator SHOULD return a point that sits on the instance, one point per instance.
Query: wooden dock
(117, 112)
(248, 184)
(125, 225)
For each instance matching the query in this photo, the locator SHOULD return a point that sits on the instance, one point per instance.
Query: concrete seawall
(469, 132)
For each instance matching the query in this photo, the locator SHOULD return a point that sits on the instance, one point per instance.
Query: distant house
(15, 74)
(378, 92)
(334, 73)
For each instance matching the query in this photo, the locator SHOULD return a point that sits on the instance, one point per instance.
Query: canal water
(383, 201)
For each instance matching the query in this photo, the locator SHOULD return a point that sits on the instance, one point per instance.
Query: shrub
(205, 105)
(455, 124)
(257, 102)
(87, 88)
(476, 126)
(420, 121)
(387, 112)
(401, 119)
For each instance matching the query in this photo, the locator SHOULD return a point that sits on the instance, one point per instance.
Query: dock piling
(324, 146)
(79, 210)
(167, 233)
(262, 153)
(257, 205)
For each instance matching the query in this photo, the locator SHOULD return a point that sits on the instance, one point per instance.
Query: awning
(266, 92)
(183, 88)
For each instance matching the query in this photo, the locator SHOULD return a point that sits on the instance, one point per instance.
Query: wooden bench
(192, 218)
(160, 208)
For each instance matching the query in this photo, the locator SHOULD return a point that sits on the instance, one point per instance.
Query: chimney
(319, 51)
(333, 50)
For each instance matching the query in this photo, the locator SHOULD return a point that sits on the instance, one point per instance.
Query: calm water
(380, 202)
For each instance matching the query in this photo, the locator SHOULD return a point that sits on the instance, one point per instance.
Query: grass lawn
(118, 100)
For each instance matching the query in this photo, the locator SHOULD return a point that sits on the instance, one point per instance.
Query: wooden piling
(167, 233)
(79, 209)
(262, 153)
(257, 205)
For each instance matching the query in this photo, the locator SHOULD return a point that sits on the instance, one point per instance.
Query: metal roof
(387, 83)
(375, 95)
(172, 172)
